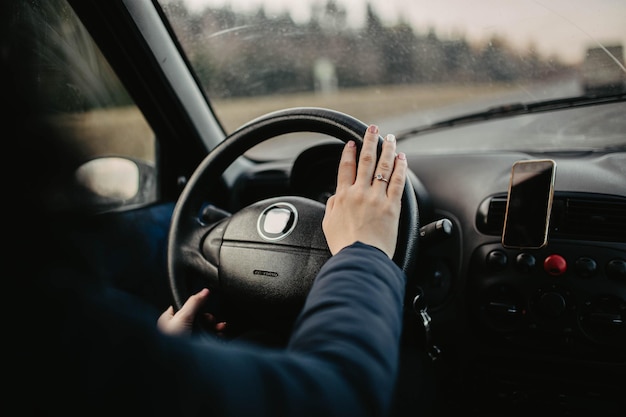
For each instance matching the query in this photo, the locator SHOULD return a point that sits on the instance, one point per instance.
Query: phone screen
(529, 203)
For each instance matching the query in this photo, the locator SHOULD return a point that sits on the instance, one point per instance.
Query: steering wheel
(262, 260)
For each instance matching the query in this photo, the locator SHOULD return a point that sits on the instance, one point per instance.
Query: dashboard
(546, 324)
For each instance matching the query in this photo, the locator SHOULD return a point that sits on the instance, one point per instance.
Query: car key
(421, 309)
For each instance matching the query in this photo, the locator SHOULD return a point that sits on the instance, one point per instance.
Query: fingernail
(351, 144)
(373, 129)
(401, 155)
(390, 138)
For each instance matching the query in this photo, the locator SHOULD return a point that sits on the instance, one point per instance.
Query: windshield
(400, 64)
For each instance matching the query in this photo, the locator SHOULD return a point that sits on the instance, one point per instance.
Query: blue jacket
(105, 357)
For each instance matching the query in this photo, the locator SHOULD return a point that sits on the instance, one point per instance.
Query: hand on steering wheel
(257, 268)
(362, 188)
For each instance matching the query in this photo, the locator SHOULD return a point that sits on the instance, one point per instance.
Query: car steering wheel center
(277, 221)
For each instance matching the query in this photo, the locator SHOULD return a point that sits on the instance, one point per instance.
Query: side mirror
(112, 178)
(110, 183)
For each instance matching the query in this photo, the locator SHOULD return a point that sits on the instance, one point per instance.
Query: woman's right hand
(366, 206)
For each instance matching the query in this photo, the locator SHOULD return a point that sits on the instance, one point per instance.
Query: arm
(342, 357)
(351, 325)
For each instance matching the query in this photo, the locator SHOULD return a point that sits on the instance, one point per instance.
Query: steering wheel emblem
(277, 221)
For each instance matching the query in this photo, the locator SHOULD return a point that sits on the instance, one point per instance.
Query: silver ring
(381, 178)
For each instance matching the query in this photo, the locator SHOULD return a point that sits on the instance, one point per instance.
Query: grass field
(366, 104)
(125, 132)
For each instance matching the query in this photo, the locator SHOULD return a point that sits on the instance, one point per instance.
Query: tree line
(378, 54)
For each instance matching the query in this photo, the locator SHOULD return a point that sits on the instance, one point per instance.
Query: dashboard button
(525, 262)
(585, 267)
(616, 269)
(496, 259)
(555, 265)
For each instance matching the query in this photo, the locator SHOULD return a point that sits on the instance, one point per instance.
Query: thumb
(166, 316)
(191, 307)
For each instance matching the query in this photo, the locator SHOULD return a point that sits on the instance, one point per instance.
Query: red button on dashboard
(555, 265)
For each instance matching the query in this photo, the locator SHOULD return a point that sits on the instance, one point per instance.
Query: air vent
(574, 216)
(590, 219)
(490, 218)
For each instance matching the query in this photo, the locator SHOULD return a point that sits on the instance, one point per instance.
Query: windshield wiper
(513, 109)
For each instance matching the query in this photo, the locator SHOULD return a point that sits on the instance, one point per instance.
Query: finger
(220, 328)
(193, 305)
(386, 162)
(208, 317)
(367, 158)
(347, 166)
(166, 316)
(210, 323)
(398, 177)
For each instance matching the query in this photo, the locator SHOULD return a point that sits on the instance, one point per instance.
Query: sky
(554, 27)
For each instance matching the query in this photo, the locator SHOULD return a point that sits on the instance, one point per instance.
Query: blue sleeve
(342, 358)
(102, 354)
(351, 323)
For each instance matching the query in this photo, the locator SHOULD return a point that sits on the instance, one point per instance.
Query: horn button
(270, 250)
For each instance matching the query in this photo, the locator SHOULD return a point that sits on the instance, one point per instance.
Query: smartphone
(529, 204)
